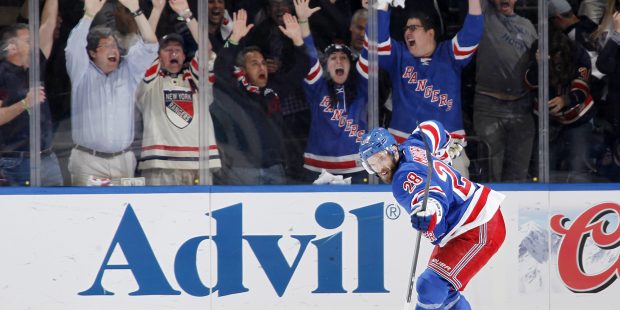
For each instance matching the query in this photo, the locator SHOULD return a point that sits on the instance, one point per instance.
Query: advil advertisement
(288, 250)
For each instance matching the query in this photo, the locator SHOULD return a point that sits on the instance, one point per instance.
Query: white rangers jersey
(168, 105)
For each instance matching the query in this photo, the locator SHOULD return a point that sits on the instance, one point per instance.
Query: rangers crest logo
(179, 107)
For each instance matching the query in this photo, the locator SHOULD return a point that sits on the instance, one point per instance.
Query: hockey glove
(455, 147)
(426, 220)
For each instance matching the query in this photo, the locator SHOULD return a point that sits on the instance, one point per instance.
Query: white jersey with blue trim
(427, 88)
(335, 131)
(465, 204)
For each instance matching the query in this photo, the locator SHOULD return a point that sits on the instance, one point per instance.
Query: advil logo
(141, 260)
(570, 254)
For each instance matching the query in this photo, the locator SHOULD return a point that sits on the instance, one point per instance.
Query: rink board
(288, 248)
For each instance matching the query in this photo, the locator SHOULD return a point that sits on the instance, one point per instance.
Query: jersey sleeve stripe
(315, 73)
(462, 52)
(362, 67)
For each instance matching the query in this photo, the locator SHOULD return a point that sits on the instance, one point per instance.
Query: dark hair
(8, 37)
(240, 61)
(350, 86)
(96, 34)
(561, 72)
(427, 21)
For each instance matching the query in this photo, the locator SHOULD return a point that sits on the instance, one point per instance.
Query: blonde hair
(604, 25)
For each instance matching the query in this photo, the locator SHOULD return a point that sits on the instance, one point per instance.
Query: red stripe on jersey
(433, 131)
(580, 85)
(387, 48)
(363, 66)
(399, 139)
(152, 70)
(194, 64)
(314, 73)
(176, 148)
(462, 53)
(330, 164)
(479, 205)
(211, 78)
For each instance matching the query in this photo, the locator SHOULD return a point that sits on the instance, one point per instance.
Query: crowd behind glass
(287, 93)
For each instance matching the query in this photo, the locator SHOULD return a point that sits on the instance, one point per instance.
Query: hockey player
(462, 218)
(338, 106)
(167, 100)
(426, 74)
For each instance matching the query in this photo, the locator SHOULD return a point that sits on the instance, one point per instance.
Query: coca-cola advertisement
(569, 252)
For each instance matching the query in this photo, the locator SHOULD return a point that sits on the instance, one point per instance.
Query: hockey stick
(414, 262)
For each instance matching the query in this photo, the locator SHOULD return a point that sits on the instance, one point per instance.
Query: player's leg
(456, 301)
(432, 290)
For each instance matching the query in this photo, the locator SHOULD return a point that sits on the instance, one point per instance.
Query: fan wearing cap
(167, 101)
(461, 218)
(338, 106)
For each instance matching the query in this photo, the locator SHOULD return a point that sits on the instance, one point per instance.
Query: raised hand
(179, 6)
(92, 7)
(158, 4)
(291, 29)
(303, 10)
(131, 5)
(240, 26)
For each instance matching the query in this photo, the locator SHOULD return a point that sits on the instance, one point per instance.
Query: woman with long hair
(338, 105)
(570, 105)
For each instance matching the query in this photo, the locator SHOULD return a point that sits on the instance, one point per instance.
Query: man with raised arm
(426, 74)
(167, 102)
(17, 101)
(103, 84)
(461, 218)
(246, 109)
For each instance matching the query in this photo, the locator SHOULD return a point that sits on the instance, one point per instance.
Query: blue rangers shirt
(427, 88)
(335, 131)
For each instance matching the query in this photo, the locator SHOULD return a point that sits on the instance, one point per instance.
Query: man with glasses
(168, 103)
(426, 74)
(461, 218)
(103, 95)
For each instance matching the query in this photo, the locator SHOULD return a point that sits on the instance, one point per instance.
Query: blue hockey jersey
(427, 88)
(465, 204)
(335, 132)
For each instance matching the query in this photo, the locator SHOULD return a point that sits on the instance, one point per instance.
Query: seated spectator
(502, 103)
(103, 95)
(338, 106)
(570, 106)
(280, 57)
(167, 100)
(246, 110)
(17, 101)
